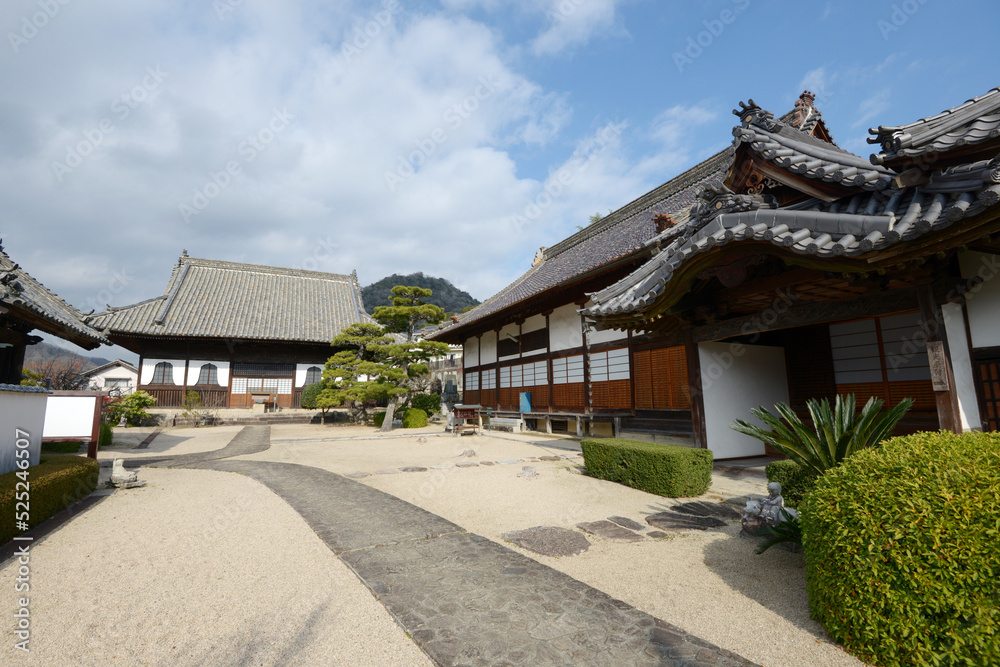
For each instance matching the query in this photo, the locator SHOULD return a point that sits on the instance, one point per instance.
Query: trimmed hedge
(794, 479)
(53, 485)
(901, 545)
(666, 470)
(414, 418)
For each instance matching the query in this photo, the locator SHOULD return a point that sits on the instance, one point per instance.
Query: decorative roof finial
(184, 253)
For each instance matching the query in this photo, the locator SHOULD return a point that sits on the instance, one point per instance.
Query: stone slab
(609, 530)
(625, 522)
(413, 469)
(677, 521)
(703, 508)
(549, 541)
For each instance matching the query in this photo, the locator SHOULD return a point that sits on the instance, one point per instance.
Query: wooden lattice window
(661, 379)
(209, 374)
(163, 373)
(313, 375)
(989, 382)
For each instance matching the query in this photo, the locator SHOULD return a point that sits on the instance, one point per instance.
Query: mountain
(445, 295)
(44, 352)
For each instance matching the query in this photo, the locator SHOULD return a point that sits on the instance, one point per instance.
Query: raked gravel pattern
(464, 599)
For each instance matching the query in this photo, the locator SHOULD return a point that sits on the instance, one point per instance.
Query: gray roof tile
(972, 122)
(20, 290)
(216, 299)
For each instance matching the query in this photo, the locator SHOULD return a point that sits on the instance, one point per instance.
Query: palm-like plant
(835, 435)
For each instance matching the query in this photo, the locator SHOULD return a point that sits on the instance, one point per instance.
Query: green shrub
(794, 479)
(379, 419)
(309, 395)
(429, 403)
(106, 436)
(901, 545)
(666, 470)
(54, 484)
(414, 418)
(64, 447)
(835, 434)
(132, 406)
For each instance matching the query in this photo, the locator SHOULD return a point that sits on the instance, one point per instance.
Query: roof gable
(216, 299)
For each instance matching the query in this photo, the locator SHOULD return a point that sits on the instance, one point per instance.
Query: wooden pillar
(548, 361)
(695, 391)
(586, 364)
(939, 356)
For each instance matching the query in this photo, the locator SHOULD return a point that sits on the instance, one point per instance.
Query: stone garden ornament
(122, 478)
(766, 512)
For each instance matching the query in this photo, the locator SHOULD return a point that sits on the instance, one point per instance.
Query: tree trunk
(390, 412)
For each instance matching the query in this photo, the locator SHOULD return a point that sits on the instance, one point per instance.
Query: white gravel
(197, 568)
(709, 583)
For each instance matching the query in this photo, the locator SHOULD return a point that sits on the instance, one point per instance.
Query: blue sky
(404, 136)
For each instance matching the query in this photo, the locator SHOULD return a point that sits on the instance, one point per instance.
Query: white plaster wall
(194, 370)
(594, 337)
(470, 352)
(70, 417)
(983, 301)
(24, 411)
(565, 331)
(961, 362)
(488, 348)
(533, 323)
(148, 365)
(734, 379)
(300, 373)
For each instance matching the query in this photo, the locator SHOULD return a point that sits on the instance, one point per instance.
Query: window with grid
(610, 365)
(209, 374)
(314, 375)
(489, 379)
(163, 373)
(472, 381)
(567, 370)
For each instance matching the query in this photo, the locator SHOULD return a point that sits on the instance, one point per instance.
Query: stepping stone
(467, 465)
(386, 472)
(413, 469)
(627, 523)
(702, 508)
(550, 458)
(487, 463)
(549, 541)
(610, 530)
(675, 521)
(357, 475)
(446, 466)
(507, 462)
(657, 534)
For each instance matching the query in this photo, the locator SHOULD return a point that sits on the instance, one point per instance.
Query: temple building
(783, 269)
(235, 333)
(25, 306)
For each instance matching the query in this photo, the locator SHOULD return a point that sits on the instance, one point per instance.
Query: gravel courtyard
(206, 567)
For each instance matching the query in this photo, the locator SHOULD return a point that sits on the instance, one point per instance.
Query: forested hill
(446, 295)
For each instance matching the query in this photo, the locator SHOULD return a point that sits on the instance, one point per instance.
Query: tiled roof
(20, 290)
(799, 153)
(214, 299)
(613, 237)
(116, 363)
(972, 122)
(623, 232)
(869, 220)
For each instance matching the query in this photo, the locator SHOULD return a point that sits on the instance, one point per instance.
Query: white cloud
(872, 107)
(574, 23)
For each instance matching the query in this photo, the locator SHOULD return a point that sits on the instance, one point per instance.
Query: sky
(453, 137)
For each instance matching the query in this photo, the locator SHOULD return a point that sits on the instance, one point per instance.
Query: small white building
(118, 377)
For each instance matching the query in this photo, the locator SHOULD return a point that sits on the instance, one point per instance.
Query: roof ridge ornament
(715, 199)
(805, 107)
(751, 113)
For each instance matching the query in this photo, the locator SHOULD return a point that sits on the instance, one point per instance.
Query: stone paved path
(464, 599)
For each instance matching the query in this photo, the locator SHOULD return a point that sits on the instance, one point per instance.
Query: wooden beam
(784, 314)
(695, 391)
(939, 356)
